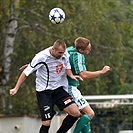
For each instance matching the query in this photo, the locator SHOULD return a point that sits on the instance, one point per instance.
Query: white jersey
(50, 72)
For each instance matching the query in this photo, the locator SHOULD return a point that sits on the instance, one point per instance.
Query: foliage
(107, 23)
(110, 120)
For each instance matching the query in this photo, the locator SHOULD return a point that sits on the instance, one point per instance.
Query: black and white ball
(56, 15)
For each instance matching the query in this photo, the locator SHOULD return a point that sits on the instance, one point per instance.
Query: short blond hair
(59, 43)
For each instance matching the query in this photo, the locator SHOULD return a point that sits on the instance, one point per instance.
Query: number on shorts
(47, 115)
(81, 101)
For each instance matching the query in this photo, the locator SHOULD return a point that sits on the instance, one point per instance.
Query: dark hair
(81, 43)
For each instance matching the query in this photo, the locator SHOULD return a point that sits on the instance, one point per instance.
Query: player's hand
(23, 67)
(76, 77)
(13, 91)
(105, 69)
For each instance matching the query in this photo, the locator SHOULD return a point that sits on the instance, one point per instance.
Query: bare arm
(70, 74)
(21, 79)
(23, 67)
(90, 75)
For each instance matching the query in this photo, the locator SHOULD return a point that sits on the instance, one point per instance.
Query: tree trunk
(9, 42)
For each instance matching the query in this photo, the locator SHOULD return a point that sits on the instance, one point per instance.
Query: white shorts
(78, 98)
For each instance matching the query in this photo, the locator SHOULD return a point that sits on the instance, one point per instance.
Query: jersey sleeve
(34, 64)
(28, 70)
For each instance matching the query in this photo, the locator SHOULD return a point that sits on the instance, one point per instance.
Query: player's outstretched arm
(90, 74)
(21, 79)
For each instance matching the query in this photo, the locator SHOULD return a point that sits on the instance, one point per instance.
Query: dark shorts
(48, 98)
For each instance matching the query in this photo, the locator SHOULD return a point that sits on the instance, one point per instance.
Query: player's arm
(23, 67)
(70, 74)
(90, 74)
(21, 79)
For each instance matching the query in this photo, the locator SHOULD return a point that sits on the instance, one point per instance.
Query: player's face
(87, 50)
(58, 52)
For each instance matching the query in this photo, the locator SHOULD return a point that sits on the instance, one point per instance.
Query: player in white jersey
(51, 66)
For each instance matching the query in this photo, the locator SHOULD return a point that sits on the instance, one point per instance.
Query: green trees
(26, 29)
(107, 23)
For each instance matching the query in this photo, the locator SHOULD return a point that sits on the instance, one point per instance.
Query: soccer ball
(56, 15)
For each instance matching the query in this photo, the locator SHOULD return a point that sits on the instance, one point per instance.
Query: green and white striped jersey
(77, 61)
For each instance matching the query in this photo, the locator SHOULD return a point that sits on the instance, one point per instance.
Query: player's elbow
(84, 75)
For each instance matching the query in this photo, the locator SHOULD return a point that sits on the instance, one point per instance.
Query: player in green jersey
(82, 47)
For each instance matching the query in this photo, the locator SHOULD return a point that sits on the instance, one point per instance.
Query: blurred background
(26, 30)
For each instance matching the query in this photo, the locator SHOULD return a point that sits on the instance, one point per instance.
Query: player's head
(58, 49)
(82, 45)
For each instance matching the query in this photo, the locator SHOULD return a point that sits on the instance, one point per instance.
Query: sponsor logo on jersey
(59, 68)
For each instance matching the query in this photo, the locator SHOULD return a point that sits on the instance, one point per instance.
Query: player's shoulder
(71, 50)
(42, 55)
(44, 52)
